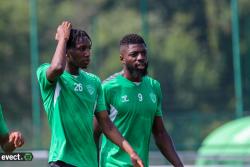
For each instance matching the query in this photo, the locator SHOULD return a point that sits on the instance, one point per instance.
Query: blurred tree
(189, 46)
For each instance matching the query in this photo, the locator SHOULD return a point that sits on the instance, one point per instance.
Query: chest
(82, 89)
(140, 100)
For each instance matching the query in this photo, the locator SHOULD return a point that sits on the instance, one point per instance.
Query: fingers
(16, 138)
(63, 30)
(139, 162)
(67, 24)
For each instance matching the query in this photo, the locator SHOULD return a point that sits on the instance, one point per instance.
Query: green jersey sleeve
(106, 96)
(42, 78)
(100, 105)
(3, 127)
(157, 87)
(46, 88)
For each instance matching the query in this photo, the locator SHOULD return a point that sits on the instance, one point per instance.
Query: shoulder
(44, 66)
(41, 70)
(112, 80)
(112, 77)
(91, 77)
(152, 81)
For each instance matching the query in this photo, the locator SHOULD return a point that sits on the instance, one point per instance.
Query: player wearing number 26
(134, 100)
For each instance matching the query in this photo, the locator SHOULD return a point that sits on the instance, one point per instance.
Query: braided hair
(75, 35)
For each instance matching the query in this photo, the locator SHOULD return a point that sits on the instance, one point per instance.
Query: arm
(97, 132)
(97, 135)
(164, 142)
(11, 141)
(114, 135)
(59, 59)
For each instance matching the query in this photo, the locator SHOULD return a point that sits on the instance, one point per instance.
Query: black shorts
(59, 164)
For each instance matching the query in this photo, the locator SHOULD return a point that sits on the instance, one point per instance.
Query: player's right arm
(59, 59)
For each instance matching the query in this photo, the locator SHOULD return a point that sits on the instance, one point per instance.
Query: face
(134, 58)
(80, 55)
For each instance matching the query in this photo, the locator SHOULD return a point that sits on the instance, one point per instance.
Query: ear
(122, 58)
(69, 53)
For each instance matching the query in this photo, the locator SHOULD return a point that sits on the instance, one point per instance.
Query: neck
(73, 70)
(135, 77)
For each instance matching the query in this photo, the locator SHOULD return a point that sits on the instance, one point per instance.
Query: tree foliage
(189, 45)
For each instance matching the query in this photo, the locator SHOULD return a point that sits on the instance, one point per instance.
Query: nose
(87, 53)
(141, 57)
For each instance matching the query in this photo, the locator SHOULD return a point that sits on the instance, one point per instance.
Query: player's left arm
(11, 141)
(115, 136)
(164, 142)
(97, 132)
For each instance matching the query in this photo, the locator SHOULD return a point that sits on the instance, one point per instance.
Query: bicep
(104, 122)
(42, 76)
(158, 126)
(52, 74)
(102, 118)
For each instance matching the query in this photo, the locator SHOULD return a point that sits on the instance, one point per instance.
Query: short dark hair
(132, 39)
(75, 34)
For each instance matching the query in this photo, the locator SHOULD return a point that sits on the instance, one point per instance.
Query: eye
(82, 49)
(133, 54)
(144, 53)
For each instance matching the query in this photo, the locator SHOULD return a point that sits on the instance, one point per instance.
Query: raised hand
(63, 31)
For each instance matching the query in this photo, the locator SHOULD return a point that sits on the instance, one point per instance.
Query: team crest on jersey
(90, 89)
(153, 97)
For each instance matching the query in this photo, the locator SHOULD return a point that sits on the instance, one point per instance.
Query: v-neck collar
(131, 82)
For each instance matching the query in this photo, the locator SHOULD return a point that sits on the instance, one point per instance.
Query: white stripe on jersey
(57, 93)
(113, 113)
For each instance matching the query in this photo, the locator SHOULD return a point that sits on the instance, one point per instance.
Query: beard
(135, 72)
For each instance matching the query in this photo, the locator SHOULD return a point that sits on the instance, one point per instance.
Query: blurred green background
(190, 53)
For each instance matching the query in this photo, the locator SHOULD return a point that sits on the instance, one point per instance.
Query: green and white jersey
(133, 108)
(3, 127)
(70, 103)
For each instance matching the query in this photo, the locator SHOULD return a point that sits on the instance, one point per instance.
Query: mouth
(140, 65)
(85, 61)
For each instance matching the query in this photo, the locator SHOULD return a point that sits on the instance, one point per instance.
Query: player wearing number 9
(134, 100)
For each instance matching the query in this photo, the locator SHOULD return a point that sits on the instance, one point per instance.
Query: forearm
(58, 61)
(166, 146)
(8, 147)
(114, 135)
